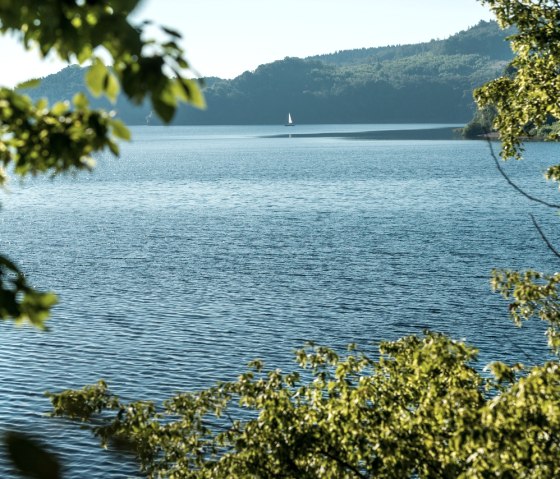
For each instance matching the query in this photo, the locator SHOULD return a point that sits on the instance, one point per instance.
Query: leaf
(29, 84)
(170, 46)
(35, 307)
(163, 110)
(60, 108)
(31, 458)
(128, 5)
(194, 93)
(168, 93)
(173, 33)
(120, 130)
(80, 101)
(112, 87)
(182, 63)
(95, 77)
(85, 54)
(42, 104)
(113, 147)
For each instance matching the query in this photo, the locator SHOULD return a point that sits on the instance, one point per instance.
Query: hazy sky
(226, 37)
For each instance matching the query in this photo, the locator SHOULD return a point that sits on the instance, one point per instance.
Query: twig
(527, 195)
(543, 236)
(512, 184)
(343, 463)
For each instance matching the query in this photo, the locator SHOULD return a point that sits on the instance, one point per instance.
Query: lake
(202, 248)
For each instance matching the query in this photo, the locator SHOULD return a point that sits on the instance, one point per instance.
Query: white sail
(290, 118)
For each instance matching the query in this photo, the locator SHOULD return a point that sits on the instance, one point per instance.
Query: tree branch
(512, 184)
(343, 463)
(527, 195)
(543, 236)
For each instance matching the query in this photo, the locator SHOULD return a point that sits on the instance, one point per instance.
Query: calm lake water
(202, 248)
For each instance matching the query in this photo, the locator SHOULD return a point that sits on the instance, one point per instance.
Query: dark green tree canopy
(427, 82)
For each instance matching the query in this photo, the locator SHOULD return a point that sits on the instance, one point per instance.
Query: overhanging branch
(512, 184)
(543, 236)
(527, 195)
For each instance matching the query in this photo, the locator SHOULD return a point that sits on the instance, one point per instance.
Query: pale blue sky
(226, 37)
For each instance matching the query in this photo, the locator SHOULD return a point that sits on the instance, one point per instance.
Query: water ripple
(184, 260)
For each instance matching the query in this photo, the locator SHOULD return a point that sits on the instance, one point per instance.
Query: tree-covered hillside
(426, 82)
(484, 39)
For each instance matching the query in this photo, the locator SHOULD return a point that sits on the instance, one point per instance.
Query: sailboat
(290, 121)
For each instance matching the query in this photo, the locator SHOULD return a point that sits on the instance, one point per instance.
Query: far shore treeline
(428, 82)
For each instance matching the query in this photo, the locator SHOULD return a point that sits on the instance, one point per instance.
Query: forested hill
(426, 82)
(484, 39)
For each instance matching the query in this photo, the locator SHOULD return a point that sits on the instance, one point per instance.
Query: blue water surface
(202, 248)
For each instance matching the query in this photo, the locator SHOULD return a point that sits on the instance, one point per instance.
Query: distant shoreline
(446, 133)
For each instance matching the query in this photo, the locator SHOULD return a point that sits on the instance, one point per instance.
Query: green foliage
(484, 39)
(527, 95)
(533, 294)
(550, 131)
(37, 139)
(421, 409)
(425, 83)
(526, 103)
(19, 301)
(423, 87)
(80, 30)
(481, 124)
(429, 82)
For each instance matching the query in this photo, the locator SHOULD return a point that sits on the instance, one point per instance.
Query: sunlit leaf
(95, 77)
(111, 87)
(120, 130)
(80, 101)
(60, 108)
(196, 98)
(42, 104)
